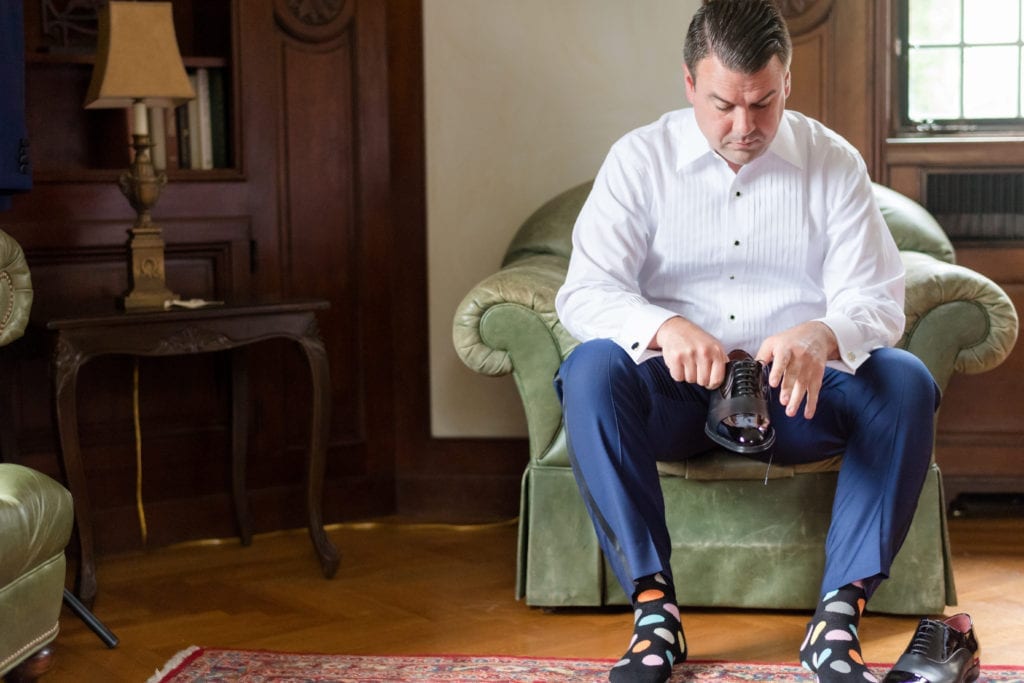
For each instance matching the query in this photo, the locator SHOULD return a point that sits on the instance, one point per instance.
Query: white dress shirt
(796, 235)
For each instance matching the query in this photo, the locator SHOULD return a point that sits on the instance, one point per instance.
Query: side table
(228, 327)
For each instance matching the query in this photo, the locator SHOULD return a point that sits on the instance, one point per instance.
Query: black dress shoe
(941, 652)
(738, 411)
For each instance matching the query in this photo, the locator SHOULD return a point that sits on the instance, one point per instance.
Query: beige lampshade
(137, 58)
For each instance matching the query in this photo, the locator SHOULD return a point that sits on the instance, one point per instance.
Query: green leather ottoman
(35, 524)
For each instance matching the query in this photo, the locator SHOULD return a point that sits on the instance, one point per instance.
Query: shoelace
(923, 639)
(746, 377)
(746, 381)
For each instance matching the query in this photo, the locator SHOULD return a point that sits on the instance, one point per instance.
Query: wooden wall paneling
(209, 257)
(978, 442)
(852, 112)
(73, 226)
(325, 199)
(273, 481)
(809, 74)
(333, 191)
(833, 69)
(319, 236)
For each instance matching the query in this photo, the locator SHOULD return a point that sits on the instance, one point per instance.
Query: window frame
(907, 126)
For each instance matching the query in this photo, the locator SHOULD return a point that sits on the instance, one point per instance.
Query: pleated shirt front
(795, 235)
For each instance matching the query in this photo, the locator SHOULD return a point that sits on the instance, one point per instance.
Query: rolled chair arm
(483, 344)
(15, 290)
(957, 319)
(507, 324)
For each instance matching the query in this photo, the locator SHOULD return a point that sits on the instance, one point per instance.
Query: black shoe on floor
(940, 652)
(738, 411)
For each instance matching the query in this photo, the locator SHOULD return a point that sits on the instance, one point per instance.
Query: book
(219, 119)
(202, 87)
(158, 138)
(171, 133)
(192, 125)
(184, 137)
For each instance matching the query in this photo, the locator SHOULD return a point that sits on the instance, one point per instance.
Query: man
(738, 225)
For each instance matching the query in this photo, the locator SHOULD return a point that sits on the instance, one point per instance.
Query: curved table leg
(319, 433)
(65, 381)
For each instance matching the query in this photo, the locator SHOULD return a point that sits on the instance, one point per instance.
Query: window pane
(934, 89)
(934, 22)
(991, 21)
(990, 82)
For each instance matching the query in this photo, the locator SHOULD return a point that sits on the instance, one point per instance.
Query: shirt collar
(784, 145)
(693, 145)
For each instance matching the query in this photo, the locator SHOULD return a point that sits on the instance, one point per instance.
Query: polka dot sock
(832, 648)
(658, 642)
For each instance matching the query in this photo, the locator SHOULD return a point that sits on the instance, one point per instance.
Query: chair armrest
(15, 290)
(957, 319)
(507, 324)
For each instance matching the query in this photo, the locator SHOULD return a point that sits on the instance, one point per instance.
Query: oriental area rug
(209, 665)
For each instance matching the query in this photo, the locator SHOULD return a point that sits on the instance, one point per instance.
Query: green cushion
(36, 516)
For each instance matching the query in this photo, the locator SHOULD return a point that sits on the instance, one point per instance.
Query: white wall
(523, 99)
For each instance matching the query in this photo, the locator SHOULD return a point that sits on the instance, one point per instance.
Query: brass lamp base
(147, 270)
(141, 184)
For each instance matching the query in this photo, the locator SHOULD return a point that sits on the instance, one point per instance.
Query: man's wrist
(831, 340)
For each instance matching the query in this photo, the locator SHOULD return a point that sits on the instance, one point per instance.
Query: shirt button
(737, 193)
(736, 243)
(732, 317)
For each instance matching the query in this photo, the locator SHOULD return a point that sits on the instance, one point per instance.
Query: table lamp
(138, 64)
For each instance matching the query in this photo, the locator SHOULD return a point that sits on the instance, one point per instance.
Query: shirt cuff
(851, 355)
(640, 327)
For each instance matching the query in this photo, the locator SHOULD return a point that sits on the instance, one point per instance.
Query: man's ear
(691, 85)
(788, 86)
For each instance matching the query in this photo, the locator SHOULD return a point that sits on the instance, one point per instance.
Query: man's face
(738, 113)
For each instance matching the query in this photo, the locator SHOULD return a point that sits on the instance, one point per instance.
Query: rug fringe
(172, 664)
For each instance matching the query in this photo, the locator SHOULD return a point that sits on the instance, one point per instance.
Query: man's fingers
(779, 366)
(717, 374)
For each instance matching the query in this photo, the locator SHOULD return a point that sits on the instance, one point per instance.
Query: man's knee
(593, 364)
(902, 371)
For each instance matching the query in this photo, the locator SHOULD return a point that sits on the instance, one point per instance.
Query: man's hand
(691, 354)
(798, 358)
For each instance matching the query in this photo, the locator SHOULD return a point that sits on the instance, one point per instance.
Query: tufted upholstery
(35, 512)
(957, 321)
(15, 290)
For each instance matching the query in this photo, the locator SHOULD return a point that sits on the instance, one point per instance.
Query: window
(961, 65)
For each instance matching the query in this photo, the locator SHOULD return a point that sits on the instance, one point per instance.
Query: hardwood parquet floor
(429, 589)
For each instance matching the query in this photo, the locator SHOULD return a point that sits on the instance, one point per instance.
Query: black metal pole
(83, 613)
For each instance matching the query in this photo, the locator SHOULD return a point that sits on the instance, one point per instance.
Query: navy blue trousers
(621, 418)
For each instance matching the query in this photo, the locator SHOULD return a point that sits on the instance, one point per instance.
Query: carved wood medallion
(804, 15)
(313, 21)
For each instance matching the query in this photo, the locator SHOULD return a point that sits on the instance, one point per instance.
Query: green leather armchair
(763, 545)
(36, 516)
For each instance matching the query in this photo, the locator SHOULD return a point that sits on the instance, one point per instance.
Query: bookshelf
(70, 144)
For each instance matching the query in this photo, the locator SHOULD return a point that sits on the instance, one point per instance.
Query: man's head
(737, 57)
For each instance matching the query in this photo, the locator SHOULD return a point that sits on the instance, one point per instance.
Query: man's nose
(743, 121)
